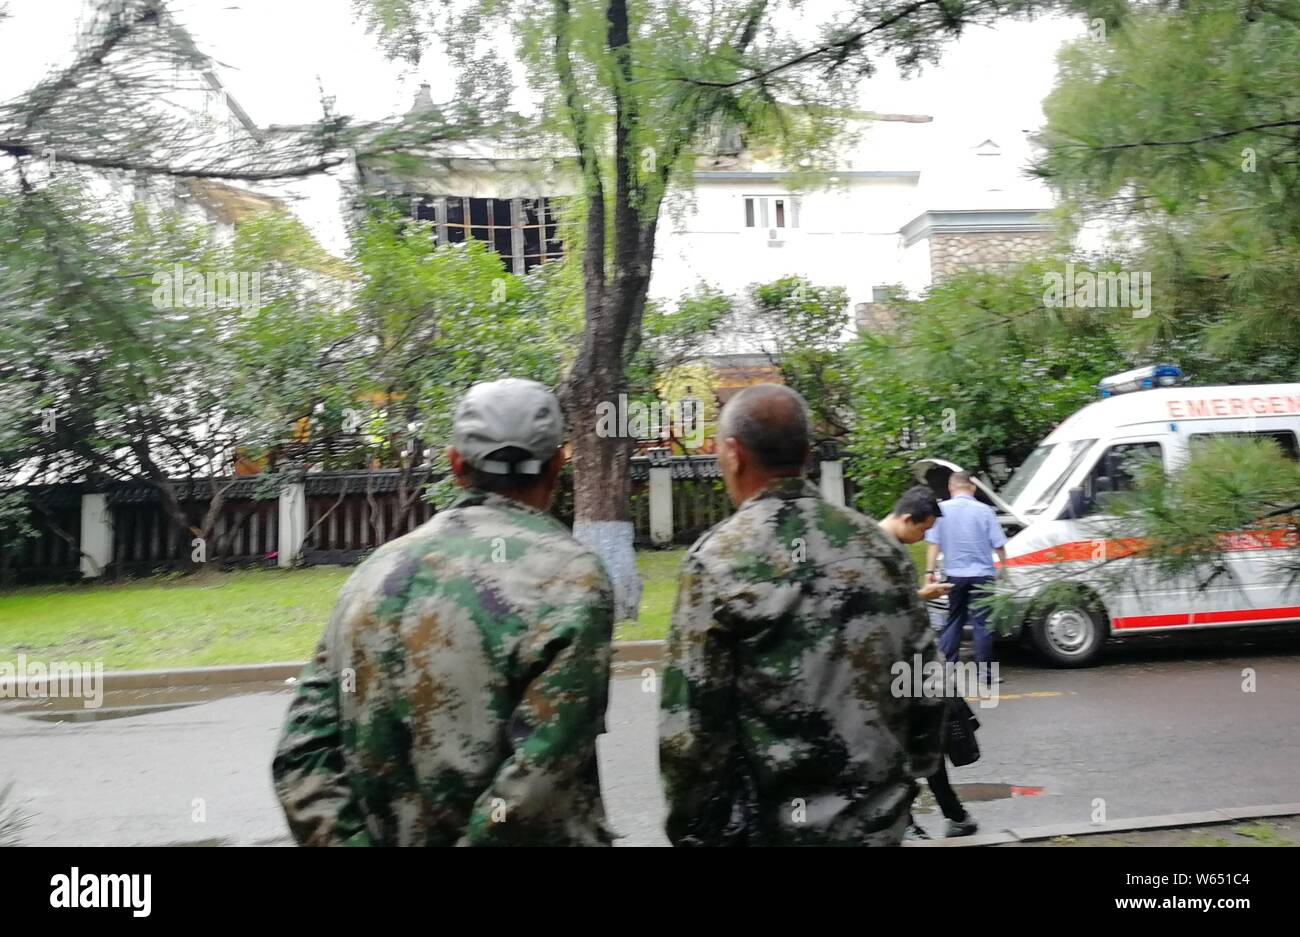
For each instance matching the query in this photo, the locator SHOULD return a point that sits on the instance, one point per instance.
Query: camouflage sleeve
(309, 771)
(547, 791)
(697, 736)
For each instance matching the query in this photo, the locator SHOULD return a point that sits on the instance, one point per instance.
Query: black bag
(960, 745)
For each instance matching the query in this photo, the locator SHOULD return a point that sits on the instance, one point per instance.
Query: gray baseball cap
(509, 413)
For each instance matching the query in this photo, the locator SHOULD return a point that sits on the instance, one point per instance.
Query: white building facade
(894, 219)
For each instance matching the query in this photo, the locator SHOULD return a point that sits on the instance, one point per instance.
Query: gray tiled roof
(379, 481)
(683, 467)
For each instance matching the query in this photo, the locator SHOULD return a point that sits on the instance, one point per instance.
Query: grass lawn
(242, 617)
(918, 560)
(252, 616)
(658, 591)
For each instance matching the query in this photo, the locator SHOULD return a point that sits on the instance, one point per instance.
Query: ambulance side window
(1115, 471)
(1284, 438)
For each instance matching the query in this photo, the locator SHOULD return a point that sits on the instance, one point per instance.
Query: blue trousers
(965, 590)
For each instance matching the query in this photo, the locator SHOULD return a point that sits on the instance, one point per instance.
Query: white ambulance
(1054, 509)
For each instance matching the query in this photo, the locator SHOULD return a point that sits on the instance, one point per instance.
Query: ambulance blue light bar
(1153, 375)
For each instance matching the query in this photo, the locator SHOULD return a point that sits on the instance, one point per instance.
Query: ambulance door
(1137, 596)
(1256, 587)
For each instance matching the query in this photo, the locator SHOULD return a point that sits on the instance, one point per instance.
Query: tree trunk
(613, 302)
(602, 485)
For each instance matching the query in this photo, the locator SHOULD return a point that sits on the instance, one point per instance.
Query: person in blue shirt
(967, 533)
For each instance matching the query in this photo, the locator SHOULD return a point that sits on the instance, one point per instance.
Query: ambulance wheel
(1070, 633)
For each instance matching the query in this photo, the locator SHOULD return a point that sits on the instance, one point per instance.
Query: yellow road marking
(1036, 694)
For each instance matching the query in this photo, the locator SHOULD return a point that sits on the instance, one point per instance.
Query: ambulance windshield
(1040, 476)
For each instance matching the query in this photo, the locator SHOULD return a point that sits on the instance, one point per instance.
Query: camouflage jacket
(457, 692)
(778, 725)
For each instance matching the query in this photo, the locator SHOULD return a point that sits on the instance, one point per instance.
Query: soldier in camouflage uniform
(456, 695)
(777, 723)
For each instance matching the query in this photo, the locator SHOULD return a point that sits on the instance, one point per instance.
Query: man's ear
(554, 466)
(736, 454)
(548, 482)
(456, 461)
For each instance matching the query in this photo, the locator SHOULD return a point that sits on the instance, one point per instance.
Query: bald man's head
(771, 422)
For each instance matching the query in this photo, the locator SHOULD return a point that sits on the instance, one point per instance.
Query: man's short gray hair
(961, 480)
(771, 421)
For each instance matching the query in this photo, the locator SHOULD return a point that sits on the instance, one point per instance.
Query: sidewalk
(1272, 831)
(1270, 825)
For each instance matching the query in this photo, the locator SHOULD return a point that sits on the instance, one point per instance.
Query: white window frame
(765, 209)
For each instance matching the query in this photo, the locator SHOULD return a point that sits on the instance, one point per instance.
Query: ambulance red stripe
(1083, 550)
(1284, 613)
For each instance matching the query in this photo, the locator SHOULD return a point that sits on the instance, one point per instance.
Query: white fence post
(661, 503)
(293, 522)
(833, 482)
(96, 535)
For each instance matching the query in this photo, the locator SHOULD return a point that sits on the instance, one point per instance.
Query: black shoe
(965, 827)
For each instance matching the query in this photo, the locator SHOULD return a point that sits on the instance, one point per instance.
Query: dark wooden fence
(53, 552)
(351, 513)
(699, 499)
(348, 515)
(147, 540)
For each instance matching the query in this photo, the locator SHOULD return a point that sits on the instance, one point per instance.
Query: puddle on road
(974, 793)
(100, 715)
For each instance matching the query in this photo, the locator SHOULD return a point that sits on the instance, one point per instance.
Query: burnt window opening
(523, 232)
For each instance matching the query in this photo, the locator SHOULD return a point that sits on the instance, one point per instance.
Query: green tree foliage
(977, 372)
(1178, 123)
(115, 363)
(806, 326)
(430, 322)
(14, 818)
(1175, 123)
(674, 335)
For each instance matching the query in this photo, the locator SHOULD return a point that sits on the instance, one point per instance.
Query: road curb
(628, 656)
(202, 676)
(112, 680)
(633, 655)
(1169, 821)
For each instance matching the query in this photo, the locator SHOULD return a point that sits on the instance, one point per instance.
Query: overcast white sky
(274, 51)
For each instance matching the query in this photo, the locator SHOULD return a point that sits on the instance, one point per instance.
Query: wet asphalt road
(1160, 727)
